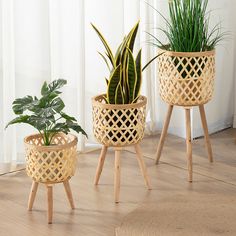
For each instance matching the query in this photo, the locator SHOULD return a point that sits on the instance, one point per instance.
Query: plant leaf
(112, 85)
(132, 76)
(109, 52)
(19, 119)
(22, 104)
(138, 63)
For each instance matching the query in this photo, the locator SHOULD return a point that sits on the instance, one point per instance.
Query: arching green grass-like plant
(187, 28)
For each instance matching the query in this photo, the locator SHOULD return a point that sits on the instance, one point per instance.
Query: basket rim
(142, 101)
(187, 54)
(73, 142)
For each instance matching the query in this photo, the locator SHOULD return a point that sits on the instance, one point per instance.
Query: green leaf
(22, 104)
(67, 117)
(19, 119)
(132, 36)
(138, 63)
(57, 105)
(77, 128)
(119, 96)
(109, 52)
(104, 58)
(44, 89)
(113, 83)
(56, 84)
(132, 76)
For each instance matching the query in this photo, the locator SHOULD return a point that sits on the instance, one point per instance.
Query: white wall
(220, 110)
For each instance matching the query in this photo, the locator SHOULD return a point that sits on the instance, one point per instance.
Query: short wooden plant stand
(50, 165)
(187, 80)
(119, 126)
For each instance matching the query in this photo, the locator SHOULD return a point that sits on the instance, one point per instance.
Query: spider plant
(187, 28)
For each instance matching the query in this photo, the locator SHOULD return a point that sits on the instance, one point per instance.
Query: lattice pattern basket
(186, 79)
(51, 164)
(117, 124)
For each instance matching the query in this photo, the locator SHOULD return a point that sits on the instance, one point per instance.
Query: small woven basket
(186, 79)
(117, 124)
(51, 164)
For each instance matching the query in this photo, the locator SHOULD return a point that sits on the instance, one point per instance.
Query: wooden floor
(95, 212)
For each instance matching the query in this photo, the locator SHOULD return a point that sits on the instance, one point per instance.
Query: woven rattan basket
(51, 164)
(118, 125)
(186, 79)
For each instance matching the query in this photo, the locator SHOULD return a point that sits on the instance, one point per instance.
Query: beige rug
(198, 216)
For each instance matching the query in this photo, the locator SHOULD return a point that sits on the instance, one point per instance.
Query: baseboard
(214, 127)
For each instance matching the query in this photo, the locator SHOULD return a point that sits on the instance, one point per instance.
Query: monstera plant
(51, 155)
(45, 113)
(124, 82)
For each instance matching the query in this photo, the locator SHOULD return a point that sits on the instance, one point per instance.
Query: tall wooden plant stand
(187, 80)
(50, 165)
(119, 126)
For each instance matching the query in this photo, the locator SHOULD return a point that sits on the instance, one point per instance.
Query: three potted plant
(50, 154)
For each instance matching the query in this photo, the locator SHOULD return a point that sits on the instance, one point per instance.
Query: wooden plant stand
(49, 187)
(50, 165)
(117, 168)
(188, 137)
(186, 79)
(118, 126)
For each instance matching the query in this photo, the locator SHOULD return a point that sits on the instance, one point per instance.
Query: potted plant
(119, 115)
(186, 66)
(50, 154)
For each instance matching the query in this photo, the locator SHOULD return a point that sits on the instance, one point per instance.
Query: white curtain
(49, 39)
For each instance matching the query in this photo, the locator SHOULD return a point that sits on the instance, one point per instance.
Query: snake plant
(124, 82)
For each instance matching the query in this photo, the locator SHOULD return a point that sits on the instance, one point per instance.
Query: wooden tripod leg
(50, 203)
(142, 165)
(100, 164)
(117, 175)
(69, 193)
(32, 195)
(163, 133)
(189, 144)
(205, 128)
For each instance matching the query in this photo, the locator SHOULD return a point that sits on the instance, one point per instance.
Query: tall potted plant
(119, 114)
(50, 154)
(186, 67)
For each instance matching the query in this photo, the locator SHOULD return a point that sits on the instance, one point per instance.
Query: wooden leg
(117, 176)
(50, 203)
(205, 128)
(69, 193)
(32, 195)
(189, 144)
(100, 164)
(163, 133)
(142, 165)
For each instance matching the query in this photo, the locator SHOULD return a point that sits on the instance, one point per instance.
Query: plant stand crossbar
(117, 169)
(188, 137)
(49, 187)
